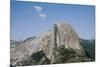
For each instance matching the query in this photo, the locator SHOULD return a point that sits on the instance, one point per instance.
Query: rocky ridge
(59, 45)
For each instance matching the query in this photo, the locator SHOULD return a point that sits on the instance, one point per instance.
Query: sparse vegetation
(64, 54)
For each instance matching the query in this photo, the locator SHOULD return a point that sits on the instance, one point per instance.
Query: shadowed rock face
(45, 45)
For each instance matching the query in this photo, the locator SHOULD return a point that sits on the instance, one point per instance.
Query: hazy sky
(31, 18)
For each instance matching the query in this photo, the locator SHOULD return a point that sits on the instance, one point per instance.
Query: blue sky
(32, 18)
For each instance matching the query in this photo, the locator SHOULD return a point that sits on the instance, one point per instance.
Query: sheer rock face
(68, 37)
(61, 35)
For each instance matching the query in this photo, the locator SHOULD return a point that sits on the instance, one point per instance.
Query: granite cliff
(59, 45)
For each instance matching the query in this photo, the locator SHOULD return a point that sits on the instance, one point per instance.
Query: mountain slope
(89, 48)
(59, 45)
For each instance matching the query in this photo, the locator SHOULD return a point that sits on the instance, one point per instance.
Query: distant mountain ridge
(89, 47)
(14, 43)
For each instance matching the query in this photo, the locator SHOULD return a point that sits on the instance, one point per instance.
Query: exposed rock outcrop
(46, 46)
